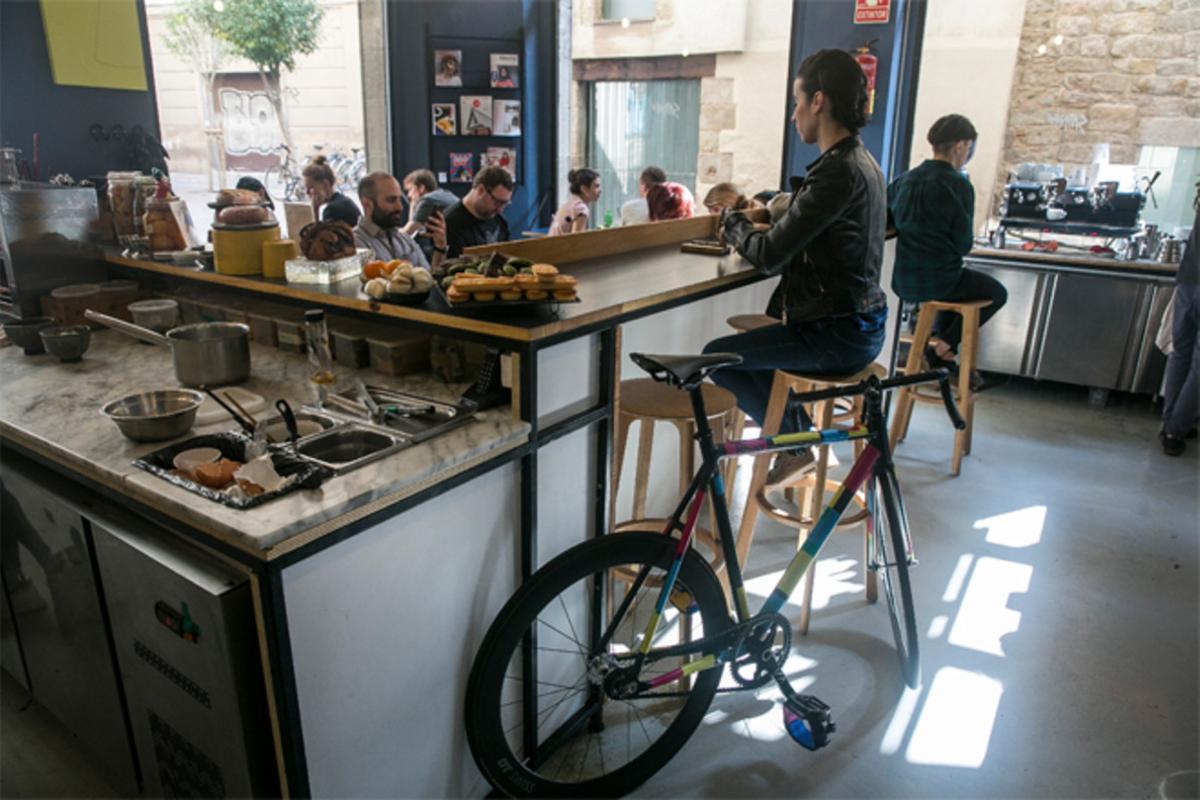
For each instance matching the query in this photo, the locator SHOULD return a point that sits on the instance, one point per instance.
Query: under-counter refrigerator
(184, 635)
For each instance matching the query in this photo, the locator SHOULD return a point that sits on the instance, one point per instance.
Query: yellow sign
(95, 43)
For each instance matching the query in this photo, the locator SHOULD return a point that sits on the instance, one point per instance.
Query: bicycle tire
(890, 561)
(493, 747)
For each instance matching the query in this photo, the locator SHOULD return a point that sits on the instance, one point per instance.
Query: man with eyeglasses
(476, 219)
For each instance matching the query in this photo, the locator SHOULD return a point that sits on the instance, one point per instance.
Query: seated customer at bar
(328, 204)
(572, 215)
(636, 211)
(932, 208)
(424, 197)
(380, 229)
(476, 219)
(828, 248)
(670, 201)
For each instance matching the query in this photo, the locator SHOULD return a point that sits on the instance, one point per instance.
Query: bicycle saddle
(685, 372)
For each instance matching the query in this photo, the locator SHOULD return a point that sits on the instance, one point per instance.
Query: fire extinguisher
(870, 65)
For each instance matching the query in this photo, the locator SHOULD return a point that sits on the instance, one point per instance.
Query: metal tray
(417, 428)
(309, 474)
(500, 305)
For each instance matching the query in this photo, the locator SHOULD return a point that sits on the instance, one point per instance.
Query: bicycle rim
(588, 743)
(890, 560)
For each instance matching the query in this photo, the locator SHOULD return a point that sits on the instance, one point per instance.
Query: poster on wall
(445, 119)
(872, 12)
(506, 118)
(447, 67)
(505, 71)
(462, 167)
(503, 157)
(476, 114)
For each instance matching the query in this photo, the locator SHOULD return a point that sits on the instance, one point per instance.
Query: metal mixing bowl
(68, 342)
(154, 416)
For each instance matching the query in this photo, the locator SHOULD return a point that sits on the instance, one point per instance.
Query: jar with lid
(120, 200)
(144, 188)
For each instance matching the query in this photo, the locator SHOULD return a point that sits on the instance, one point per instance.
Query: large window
(635, 124)
(627, 9)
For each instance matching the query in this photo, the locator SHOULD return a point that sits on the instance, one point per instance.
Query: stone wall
(1119, 72)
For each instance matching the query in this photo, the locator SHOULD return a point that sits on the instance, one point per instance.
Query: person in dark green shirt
(932, 208)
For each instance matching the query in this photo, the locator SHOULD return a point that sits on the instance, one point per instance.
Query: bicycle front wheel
(890, 560)
(589, 744)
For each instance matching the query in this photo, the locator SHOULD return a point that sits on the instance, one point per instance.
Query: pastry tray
(309, 475)
(492, 305)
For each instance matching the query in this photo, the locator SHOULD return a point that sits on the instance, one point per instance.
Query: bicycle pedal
(683, 601)
(808, 721)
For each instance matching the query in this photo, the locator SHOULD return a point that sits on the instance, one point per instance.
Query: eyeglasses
(499, 203)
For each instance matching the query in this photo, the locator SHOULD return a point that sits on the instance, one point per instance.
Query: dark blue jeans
(1182, 393)
(834, 346)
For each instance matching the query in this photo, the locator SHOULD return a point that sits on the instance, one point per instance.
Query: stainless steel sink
(308, 423)
(348, 447)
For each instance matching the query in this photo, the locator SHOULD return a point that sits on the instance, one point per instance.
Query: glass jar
(144, 189)
(120, 201)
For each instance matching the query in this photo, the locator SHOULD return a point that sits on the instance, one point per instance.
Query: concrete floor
(1058, 592)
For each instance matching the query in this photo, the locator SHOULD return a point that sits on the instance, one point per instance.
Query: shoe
(1171, 445)
(791, 466)
(937, 362)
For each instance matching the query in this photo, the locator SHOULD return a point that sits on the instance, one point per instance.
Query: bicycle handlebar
(940, 375)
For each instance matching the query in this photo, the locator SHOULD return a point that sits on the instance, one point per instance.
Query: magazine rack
(474, 70)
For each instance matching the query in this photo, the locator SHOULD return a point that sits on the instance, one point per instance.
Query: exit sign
(871, 12)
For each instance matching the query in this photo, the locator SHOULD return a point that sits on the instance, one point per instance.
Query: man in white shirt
(380, 229)
(636, 212)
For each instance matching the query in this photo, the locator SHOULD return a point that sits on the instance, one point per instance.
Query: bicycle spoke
(578, 644)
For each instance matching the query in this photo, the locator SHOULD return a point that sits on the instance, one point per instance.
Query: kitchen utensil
(188, 460)
(373, 408)
(210, 413)
(205, 353)
(289, 419)
(347, 406)
(24, 333)
(158, 315)
(154, 416)
(248, 427)
(68, 342)
(1170, 250)
(229, 398)
(239, 250)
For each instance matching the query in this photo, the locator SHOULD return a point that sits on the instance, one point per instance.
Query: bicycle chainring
(761, 650)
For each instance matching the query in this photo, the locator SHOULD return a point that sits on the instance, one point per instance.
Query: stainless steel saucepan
(205, 354)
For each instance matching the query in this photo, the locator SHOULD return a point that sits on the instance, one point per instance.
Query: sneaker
(1171, 445)
(791, 466)
(937, 362)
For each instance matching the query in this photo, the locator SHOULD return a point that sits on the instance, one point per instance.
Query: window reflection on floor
(956, 720)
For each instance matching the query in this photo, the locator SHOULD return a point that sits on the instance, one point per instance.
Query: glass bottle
(320, 361)
(608, 218)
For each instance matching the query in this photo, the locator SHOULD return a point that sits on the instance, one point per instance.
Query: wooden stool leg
(758, 478)
(964, 390)
(624, 421)
(904, 401)
(817, 501)
(641, 480)
(970, 352)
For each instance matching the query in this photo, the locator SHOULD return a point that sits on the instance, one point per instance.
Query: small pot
(24, 333)
(205, 354)
(68, 342)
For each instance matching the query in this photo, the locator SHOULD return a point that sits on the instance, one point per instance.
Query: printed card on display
(447, 67)
(505, 72)
(476, 114)
(505, 157)
(506, 117)
(445, 119)
(462, 167)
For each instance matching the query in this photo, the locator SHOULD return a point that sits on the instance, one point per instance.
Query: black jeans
(972, 285)
(834, 346)
(1181, 397)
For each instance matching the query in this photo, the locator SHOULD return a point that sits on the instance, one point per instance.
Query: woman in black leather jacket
(828, 249)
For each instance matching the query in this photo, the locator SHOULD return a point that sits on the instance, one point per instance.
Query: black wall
(818, 24)
(411, 24)
(30, 101)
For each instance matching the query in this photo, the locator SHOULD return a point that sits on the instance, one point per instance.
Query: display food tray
(309, 475)
(501, 305)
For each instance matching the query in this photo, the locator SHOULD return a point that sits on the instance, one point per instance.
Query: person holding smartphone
(381, 228)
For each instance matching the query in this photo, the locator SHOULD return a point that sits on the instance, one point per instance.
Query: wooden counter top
(611, 287)
(1069, 258)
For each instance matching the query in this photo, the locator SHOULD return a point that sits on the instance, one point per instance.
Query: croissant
(327, 241)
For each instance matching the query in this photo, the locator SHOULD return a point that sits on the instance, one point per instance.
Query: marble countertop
(52, 409)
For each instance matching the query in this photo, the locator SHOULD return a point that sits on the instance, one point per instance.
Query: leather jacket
(829, 245)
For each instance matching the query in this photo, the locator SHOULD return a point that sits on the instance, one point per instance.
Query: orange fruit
(390, 266)
(373, 269)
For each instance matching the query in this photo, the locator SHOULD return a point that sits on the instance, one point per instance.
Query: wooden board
(571, 247)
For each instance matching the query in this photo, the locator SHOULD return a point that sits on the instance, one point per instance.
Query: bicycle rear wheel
(589, 744)
(890, 560)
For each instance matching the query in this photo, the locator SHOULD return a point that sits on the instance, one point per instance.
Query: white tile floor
(1058, 592)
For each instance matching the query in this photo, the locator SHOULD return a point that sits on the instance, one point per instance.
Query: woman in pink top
(572, 216)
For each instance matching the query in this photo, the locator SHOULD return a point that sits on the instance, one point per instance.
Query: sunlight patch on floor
(1020, 528)
(955, 726)
(983, 618)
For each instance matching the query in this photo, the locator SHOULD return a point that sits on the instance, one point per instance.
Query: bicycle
(626, 668)
(287, 173)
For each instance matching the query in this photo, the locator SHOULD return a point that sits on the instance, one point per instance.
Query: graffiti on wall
(251, 127)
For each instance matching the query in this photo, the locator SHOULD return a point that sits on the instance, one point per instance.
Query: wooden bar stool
(817, 484)
(648, 402)
(908, 396)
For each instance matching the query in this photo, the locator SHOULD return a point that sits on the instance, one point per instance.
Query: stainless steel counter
(1076, 319)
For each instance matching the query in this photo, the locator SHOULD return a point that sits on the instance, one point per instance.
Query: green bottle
(608, 218)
